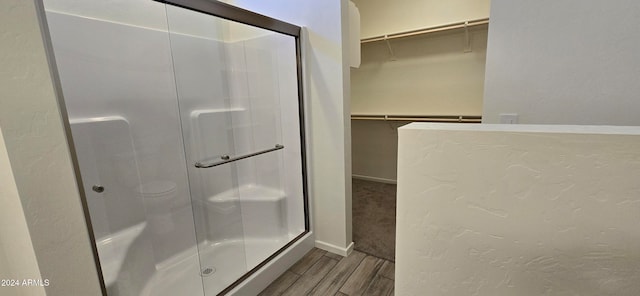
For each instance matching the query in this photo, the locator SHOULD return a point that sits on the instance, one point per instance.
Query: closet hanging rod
(421, 118)
(460, 25)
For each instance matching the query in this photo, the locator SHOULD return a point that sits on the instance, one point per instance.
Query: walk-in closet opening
(420, 62)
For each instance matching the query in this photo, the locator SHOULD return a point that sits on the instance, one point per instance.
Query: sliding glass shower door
(117, 79)
(237, 88)
(188, 132)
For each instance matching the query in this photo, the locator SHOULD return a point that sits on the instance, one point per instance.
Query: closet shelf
(420, 118)
(453, 26)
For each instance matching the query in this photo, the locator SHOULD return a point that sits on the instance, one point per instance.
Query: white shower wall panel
(266, 128)
(241, 123)
(201, 81)
(266, 69)
(233, 101)
(114, 69)
(200, 66)
(273, 97)
(202, 85)
(106, 156)
(237, 90)
(211, 138)
(244, 87)
(291, 127)
(140, 13)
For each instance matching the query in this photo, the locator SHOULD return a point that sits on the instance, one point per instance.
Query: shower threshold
(229, 260)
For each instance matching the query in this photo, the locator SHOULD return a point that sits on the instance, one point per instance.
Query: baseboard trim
(375, 179)
(335, 249)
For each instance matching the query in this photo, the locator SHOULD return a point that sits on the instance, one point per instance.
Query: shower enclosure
(188, 128)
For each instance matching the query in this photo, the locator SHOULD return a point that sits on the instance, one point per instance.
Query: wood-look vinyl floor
(324, 274)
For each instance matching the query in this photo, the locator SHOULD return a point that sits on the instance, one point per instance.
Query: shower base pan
(222, 263)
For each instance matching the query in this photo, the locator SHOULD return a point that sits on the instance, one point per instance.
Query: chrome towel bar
(228, 159)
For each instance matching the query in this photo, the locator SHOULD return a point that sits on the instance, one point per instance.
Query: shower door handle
(228, 159)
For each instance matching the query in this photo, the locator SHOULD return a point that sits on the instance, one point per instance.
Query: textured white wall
(380, 17)
(327, 96)
(518, 210)
(563, 62)
(17, 258)
(40, 161)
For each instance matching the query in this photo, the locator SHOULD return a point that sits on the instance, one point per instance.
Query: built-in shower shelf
(248, 193)
(196, 113)
(81, 120)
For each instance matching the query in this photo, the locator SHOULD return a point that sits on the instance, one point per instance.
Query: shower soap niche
(210, 131)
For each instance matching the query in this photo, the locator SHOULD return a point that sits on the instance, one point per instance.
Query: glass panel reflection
(152, 89)
(237, 90)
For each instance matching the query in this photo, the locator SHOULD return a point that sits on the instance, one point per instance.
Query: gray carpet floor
(374, 218)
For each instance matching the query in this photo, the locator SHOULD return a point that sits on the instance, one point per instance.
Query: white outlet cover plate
(509, 118)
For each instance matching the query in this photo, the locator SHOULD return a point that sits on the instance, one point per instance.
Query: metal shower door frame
(214, 8)
(236, 14)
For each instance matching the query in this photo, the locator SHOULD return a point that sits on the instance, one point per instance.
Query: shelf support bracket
(386, 40)
(467, 38)
(386, 119)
